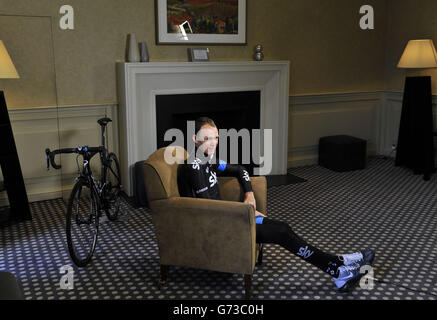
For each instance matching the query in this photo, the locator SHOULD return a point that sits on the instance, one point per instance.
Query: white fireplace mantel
(139, 83)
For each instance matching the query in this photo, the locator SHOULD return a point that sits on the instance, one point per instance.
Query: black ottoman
(342, 153)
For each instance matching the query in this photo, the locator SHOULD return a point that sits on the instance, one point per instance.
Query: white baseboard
(310, 156)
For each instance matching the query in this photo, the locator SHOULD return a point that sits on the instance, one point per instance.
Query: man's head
(206, 137)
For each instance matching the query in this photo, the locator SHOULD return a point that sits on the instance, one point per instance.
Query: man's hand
(250, 198)
(259, 214)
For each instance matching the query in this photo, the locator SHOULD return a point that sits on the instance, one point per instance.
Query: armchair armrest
(208, 234)
(231, 190)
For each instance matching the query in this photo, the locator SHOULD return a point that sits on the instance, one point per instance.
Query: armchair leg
(260, 255)
(163, 276)
(247, 286)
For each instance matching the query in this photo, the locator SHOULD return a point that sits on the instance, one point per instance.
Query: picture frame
(201, 22)
(198, 54)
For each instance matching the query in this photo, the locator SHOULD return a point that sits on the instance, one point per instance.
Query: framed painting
(200, 21)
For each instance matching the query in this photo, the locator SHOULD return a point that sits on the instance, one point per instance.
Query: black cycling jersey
(198, 179)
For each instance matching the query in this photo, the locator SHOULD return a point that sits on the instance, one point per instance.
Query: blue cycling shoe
(350, 273)
(364, 257)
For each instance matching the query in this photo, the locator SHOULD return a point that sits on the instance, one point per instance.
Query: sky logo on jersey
(213, 178)
(196, 164)
(246, 175)
(304, 252)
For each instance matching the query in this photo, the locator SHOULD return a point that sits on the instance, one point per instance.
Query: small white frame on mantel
(138, 84)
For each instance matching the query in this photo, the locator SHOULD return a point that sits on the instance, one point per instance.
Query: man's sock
(273, 231)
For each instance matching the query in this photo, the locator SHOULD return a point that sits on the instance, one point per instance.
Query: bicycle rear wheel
(82, 224)
(113, 187)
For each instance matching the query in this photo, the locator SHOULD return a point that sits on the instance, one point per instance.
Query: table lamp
(415, 147)
(9, 161)
(419, 54)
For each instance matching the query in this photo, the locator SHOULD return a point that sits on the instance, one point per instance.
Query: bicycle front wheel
(82, 224)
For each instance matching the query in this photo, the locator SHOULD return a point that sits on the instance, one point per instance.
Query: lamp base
(11, 170)
(415, 147)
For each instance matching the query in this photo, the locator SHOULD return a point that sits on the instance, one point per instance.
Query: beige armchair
(202, 233)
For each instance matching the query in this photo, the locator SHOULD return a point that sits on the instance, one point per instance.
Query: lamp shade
(7, 68)
(419, 54)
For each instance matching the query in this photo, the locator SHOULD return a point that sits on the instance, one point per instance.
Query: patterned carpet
(383, 207)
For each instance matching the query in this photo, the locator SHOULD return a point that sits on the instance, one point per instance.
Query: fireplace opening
(229, 110)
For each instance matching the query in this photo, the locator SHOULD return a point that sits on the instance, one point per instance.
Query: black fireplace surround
(229, 110)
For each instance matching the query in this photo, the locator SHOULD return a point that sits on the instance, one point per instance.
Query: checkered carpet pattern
(383, 207)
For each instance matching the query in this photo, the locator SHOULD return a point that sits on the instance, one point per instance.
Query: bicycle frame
(87, 174)
(87, 177)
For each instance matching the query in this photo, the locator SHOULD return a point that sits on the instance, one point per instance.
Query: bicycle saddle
(104, 121)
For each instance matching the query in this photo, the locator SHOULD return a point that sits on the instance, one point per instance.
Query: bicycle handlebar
(50, 155)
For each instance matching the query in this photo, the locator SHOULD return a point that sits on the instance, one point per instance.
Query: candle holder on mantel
(259, 55)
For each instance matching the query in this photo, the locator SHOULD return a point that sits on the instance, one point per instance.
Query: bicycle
(90, 197)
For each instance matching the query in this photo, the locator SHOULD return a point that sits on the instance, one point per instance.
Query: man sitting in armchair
(198, 179)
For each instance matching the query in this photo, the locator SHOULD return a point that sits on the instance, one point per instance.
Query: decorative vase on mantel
(144, 53)
(133, 54)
